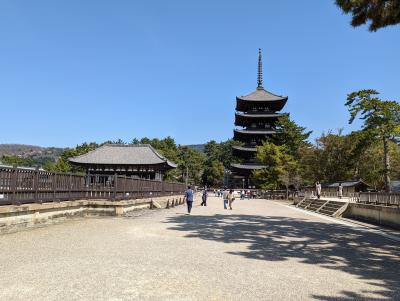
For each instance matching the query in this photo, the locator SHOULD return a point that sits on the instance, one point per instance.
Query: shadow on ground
(333, 246)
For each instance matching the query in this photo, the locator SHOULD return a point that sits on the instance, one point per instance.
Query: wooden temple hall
(137, 161)
(255, 117)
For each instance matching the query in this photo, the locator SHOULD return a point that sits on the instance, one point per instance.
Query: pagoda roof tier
(244, 148)
(244, 152)
(255, 132)
(244, 119)
(260, 97)
(247, 167)
(248, 134)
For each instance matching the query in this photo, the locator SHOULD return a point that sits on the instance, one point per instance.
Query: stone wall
(14, 218)
(382, 215)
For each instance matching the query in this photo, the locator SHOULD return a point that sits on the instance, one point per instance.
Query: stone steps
(305, 203)
(331, 207)
(315, 205)
(324, 207)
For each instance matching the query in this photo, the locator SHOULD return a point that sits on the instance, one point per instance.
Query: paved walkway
(259, 251)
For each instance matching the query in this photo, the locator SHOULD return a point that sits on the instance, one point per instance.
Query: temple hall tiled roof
(116, 154)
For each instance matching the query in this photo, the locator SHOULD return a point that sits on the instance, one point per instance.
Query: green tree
(17, 161)
(309, 164)
(380, 13)
(226, 156)
(221, 152)
(282, 168)
(290, 134)
(212, 150)
(190, 165)
(63, 165)
(333, 153)
(167, 147)
(219, 157)
(381, 119)
(337, 157)
(213, 173)
(135, 141)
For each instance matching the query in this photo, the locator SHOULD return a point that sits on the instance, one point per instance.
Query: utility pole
(187, 175)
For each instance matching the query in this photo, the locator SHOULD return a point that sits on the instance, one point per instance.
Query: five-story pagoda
(256, 116)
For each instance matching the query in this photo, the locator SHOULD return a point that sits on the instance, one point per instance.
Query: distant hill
(24, 150)
(37, 153)
(198, 147)
(40, 155)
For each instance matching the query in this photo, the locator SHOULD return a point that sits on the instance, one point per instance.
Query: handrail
(380, 198)
(21, 185)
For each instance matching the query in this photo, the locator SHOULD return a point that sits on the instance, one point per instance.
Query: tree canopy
(282, 168)
(381, 119)
(17, 161)
(218, 159)
(292, 135)
(281, 154)
(379, 13)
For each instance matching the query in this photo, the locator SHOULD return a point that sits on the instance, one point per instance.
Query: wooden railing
(351, 197)
(21, 185)
(380, 198)
(275, 194)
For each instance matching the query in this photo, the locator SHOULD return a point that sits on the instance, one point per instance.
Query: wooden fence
(21, 185)
(276, 194)
(380, 198)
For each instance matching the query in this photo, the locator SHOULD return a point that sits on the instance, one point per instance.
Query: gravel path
(261, 250)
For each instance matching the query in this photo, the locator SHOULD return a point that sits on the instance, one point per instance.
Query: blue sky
(74, 71)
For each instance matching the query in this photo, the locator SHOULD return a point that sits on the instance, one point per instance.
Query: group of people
(243, 194)
(227, 196)
(248, 194)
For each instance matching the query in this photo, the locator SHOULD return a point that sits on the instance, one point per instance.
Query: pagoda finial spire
(259, 74)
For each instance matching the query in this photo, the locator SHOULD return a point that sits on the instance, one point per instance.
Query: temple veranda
(261, 250)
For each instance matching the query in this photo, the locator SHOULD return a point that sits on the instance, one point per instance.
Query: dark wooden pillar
(115, 185)
(13, 188)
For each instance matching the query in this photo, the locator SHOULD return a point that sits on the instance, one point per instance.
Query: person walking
(189, 198)
(204, 197)
(318, 189)
(225, 197)
(231, 198)
(340, 191)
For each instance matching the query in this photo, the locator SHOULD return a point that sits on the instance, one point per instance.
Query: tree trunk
(386, 163)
